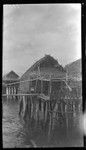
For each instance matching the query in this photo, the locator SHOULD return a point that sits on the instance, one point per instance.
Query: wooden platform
(21, 94)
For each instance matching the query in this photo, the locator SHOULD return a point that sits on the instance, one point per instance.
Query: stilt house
(45, 94)
(47, 80)
(8, 87)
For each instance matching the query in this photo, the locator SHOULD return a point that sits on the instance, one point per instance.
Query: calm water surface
(15, 133)
(13, 130)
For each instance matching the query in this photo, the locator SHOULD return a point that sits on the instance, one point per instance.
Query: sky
(32, 30)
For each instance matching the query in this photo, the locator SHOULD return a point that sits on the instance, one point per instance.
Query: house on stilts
(9, 88)
(45, 93)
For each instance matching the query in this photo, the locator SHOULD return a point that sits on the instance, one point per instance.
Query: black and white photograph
(42, 76)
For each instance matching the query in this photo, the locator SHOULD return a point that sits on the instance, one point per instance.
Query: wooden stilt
(24, 105)
(36, 112)
(36, 86)
(10, 92)
(42, 110)
(50, 119)
(62, 108)
(50, 127)
(74, 113)
(55, 115)
(13, 92)
(50, 87)
(7, 92)
(74, 109)
(45, 113)
(50, 124)
(57, 111)
(31, 107)
(66, 113)
(41, 86)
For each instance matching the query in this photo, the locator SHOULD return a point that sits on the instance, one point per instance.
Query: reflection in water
(15, 132)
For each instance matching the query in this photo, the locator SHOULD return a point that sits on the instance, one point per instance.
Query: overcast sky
(33, 30)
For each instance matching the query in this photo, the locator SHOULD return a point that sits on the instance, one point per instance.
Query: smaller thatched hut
(8, 86)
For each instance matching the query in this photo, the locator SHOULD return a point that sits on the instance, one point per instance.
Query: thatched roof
(45, 67)
(74, 69)
(10, 76)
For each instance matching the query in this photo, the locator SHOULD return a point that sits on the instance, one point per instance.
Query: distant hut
(8, 86)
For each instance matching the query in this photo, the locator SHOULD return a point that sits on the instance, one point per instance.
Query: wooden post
(42, 104)
(66, 115)
(7, 92)
(36, 85)
(31, 107)
(67, 123)
(55, 115)
(57, 111)
(50, 123)
(11, 92)
(36, 111)
(62, 108)
(41, 86)
(74, 114)
(24, 105)
(73, 109)
(9, 89)
(50, 86)
(46, 111)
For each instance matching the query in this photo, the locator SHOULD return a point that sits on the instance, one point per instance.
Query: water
(13, 130)
(15, 134)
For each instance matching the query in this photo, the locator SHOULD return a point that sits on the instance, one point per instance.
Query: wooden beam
(41, 78)
(20, 94)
